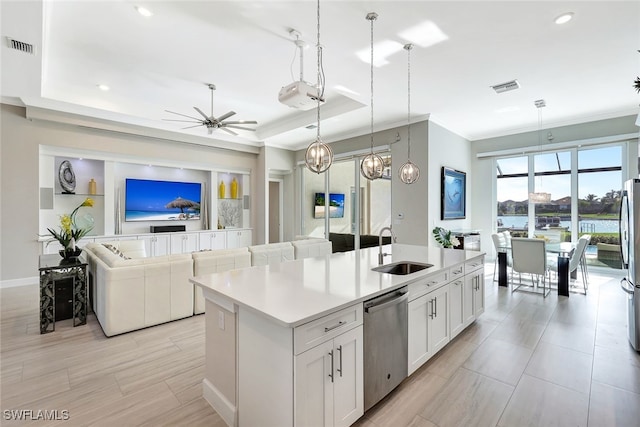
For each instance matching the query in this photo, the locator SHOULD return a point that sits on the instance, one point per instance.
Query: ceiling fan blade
(241, 122)
(203, 114)
(226, 116)
(184, 115)
(229, 131)
(237, 127)
(185, 121)
(189, 127)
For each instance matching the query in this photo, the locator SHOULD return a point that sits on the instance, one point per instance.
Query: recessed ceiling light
(144, 11)
(103, 88)
(564, 18)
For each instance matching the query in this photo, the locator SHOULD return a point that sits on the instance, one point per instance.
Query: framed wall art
(454, 193)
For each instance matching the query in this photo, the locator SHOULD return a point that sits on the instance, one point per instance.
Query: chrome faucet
(393, 240)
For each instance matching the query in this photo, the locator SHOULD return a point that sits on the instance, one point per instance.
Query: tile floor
(527, 361)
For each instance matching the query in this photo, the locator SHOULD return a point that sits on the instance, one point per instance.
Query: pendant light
(372, 165)
(539, 196)
(319, 156)
(409, 172)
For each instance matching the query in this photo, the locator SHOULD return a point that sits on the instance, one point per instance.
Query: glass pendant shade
(318, 157)
(372, 166)
(409, 173)
(539, 197)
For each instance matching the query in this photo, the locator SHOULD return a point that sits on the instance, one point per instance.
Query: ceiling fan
(211, 122)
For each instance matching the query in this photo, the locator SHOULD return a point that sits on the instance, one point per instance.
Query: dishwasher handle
(373, 306)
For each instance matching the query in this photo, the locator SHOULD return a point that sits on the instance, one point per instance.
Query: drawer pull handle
(340, 323)
(433, 282)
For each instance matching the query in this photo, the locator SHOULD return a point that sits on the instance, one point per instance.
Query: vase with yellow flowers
(71, 231)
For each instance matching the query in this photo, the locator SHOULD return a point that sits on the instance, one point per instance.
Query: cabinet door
(438, 319)
(245, 238)
(418, 332)
(478, 294)
(456, 307)
(183, 243)
(156, 245)
(468, 297)
(314, 386)
(213, 240)
(348, 393)
(238, 238)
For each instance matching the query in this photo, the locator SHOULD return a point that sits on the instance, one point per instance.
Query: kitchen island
(284, 342)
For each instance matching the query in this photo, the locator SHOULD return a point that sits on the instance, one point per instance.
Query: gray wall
(19, 168)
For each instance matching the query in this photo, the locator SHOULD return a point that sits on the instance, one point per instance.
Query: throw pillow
(115, 250)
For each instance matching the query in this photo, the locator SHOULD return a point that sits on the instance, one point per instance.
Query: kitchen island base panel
(227, 411)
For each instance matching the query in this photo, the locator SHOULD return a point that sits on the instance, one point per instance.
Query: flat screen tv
(148, 200)
(336, 205)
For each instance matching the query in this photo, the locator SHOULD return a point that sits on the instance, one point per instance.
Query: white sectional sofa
(208, 262)
(131, 291)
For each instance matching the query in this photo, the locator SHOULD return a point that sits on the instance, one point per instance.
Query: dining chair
(529, 256)
(500, 242)
(576, 260)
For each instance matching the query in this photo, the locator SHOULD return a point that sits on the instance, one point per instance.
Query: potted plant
(445, 238)
(70, 232)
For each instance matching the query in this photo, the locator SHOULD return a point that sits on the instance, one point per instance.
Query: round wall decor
(66, 177)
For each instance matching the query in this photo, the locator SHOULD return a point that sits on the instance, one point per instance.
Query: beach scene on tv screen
(336, 205)
(147, 200)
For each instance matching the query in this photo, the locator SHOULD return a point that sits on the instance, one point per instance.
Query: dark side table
(54, 268)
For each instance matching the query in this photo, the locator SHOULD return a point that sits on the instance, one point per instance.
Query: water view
(590, 225)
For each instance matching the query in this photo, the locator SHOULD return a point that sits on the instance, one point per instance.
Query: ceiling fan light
(318, 156)
(409, 173)
(372, 166)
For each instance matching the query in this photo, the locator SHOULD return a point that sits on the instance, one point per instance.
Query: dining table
(563, 250)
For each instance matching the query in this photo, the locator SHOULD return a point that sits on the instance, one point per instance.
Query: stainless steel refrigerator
(630, 247)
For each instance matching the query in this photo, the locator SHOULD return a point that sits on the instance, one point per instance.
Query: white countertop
(295, 292)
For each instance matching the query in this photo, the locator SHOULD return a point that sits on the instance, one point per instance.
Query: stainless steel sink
(402, 267)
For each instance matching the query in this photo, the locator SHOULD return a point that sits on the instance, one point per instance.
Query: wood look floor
(527, 361)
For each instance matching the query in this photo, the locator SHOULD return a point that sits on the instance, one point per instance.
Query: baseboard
(12, 283)
(219, 403)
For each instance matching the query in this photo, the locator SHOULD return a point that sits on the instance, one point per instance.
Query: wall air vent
(21, 46)
(507, 86)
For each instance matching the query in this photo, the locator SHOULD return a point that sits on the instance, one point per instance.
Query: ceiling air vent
(505, 87)
(21, 46)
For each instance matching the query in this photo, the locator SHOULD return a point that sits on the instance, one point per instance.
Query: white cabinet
(475, 284)
(238, 238)
(456, 306)
(428, 327)
(156, 245)
(213, 240)
(328, 382)
(467, 300)
(478, 292)
(182, 243)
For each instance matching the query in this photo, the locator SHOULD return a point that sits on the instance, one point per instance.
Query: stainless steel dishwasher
(385, 344)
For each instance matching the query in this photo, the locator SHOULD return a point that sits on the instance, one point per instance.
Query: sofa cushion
(312, 247)
(271, 253)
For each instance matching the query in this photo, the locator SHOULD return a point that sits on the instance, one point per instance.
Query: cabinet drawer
(320, 330)
(473, 265)
(428, 284)
(457, 271)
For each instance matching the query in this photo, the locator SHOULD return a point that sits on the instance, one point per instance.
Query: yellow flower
(88, 202)
(65, 223)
